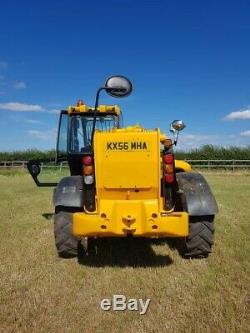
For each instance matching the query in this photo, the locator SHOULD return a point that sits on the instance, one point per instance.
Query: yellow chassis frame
(145, 219)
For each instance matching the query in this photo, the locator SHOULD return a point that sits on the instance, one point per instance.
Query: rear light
(87, 160)
(88, 180)
(88, 169)
(168, 159)
(89, 190)
(168, 168)
(169, 178)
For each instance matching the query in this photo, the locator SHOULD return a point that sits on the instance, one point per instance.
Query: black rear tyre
(67, 245)
(200, 239)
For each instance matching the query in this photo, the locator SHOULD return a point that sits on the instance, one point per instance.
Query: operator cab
(81, 128)
(77, 126)
(75, 131)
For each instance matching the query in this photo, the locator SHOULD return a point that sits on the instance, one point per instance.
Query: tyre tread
(200, 239)
(67, 245)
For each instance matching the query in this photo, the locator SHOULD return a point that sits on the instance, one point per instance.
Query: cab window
(81, 129)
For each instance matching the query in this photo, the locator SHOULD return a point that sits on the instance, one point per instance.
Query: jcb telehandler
(125, 181)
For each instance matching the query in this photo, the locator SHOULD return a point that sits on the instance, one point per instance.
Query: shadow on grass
(175, 243)
(48, 216)
(124, 252)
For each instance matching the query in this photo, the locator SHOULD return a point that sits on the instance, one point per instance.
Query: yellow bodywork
(131, 217)
(128, 176)
(182, 166)
(101, 108)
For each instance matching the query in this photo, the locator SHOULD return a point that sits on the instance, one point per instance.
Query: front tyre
(67, 245)
(200, 239)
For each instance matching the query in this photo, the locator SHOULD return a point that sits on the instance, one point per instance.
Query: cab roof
(109, 109)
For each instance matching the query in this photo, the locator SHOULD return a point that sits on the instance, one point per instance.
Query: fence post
(233, 165)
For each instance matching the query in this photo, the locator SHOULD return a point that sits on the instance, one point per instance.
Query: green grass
(41, 293)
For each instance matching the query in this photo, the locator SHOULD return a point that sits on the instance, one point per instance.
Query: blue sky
(187, 60)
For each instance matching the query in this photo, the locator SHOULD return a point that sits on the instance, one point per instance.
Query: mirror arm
(95, 111)
(96, 107)
(38, 162)
(176, 138)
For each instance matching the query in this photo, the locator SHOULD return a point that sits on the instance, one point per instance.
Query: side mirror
(35, 169)
(118, 86)
(177, 126)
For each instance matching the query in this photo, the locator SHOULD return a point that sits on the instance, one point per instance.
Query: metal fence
(12, 164)
(220, 164)
(196, 164)
(23, 164)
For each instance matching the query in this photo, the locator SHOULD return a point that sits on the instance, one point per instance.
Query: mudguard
(196, 196)
(69, 192)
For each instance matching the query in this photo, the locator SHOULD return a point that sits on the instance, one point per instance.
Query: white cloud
(32, 121)
(20, 107)
(193, 141)
(19, 85)
(241, 114)
(54, 111)
(199, 137)
(245, 133)
(44, 135)
(3, 64)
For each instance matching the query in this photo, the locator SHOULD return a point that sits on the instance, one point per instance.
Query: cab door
(62, 137)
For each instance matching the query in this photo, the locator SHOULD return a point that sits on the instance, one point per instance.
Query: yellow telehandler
(125, 181)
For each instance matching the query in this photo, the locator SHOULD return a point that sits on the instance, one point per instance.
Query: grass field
(41, 293)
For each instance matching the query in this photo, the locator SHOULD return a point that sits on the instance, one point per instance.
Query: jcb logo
(128, 146)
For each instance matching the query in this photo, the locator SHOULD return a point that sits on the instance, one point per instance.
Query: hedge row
(207, 152)
(25, 155)
(210, 152)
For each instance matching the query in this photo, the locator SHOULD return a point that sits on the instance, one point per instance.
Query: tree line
(210, 152)
(26, 155)
(206, 152)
